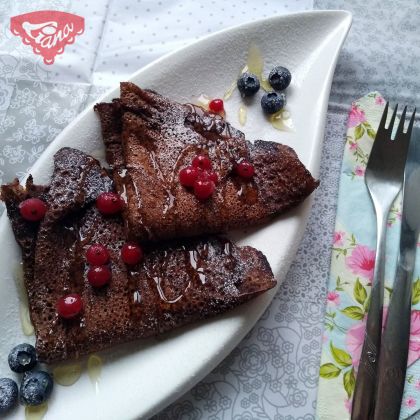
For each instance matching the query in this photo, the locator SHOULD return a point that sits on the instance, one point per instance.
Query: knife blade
(395, 339)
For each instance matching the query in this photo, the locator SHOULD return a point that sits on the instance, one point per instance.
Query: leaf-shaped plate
(141, 378)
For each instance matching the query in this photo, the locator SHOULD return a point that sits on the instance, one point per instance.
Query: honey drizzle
(25, 319)
(203, 101)
(247, 192)
(73, 240)
(146, 228)
(24, 314)
(195, 263)
(36, 412)
(157, 278)
(242, 115)
(67, 375)
(203, 123)
(174, 174)
(81, 196)
(158, 281)
(94, 366)
(134, 294)
(282, 121)
(254, 64)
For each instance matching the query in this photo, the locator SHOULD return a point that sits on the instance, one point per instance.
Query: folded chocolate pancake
(149, 139)
(175, 284)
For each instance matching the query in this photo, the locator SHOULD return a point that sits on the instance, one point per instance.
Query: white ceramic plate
(141, 378)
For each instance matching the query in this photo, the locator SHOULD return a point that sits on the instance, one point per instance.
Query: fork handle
(364, 393)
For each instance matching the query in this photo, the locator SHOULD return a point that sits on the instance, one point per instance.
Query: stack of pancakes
(186, 275)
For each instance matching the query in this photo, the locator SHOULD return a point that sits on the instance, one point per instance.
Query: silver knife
(395, 339)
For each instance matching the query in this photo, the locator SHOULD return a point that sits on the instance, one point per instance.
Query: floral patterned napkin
(352, 264)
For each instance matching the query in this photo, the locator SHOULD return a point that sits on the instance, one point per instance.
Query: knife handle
(394, 348)
(364, 393)
(365, 388)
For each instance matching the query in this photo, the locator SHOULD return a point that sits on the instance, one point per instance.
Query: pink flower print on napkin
(356, 335)
(339, 238)
(414, 345)
(354, 342)
(333, 298)
(353, 145)
(379, 100)
(348, 404)
(356, 116)
(410, 402)
(359, 171)
(362, 261)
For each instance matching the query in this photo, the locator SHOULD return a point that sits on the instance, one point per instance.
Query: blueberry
(272, 102)
(36, 387)
(279, 78)
(8, 394)
(22, 358)
(248, 84)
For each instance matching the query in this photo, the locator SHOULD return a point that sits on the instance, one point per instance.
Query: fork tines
(401, 124)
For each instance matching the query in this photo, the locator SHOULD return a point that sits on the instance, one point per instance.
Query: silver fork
(383, 177)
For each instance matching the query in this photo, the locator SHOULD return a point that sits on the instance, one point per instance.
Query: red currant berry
(203, 188)
(187, 176)
(201, 162)
(69, 306)
(131, 253)
(33, 209)
(213, 177)
(99, 275)
(109, 203)
(245, 169)
(216, 105)
(97, 254)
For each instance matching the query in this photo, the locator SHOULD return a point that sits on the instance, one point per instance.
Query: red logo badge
(47, 31)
